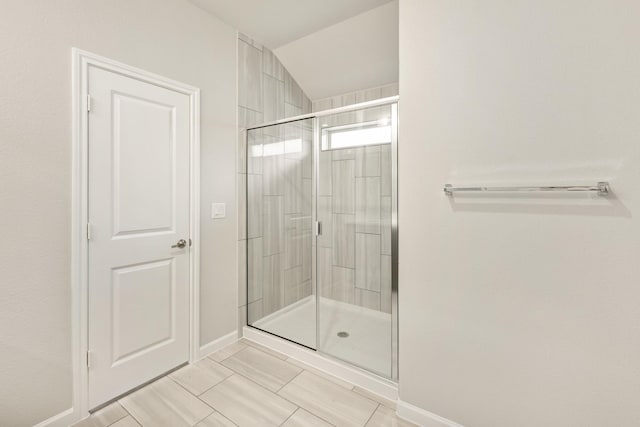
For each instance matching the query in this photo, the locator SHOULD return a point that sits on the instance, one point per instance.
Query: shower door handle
(318, 228)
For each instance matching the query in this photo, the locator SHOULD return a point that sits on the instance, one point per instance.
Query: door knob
(181, 244)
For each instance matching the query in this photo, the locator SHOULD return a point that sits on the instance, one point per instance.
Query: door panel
(138, 208)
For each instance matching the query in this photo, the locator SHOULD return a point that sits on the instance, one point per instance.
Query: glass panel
(354, 262)
(279, 229)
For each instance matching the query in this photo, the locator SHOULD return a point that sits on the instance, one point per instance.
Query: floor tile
(262, 368)
(201, 376)
(127, 421)
(228, 351)
(265, 349)
(165, 403)
(385, 417)
(318, 372)
(215, 420)
(329, 401)
(376, 397)
(248, 404)
(104, 417)
(302, 418)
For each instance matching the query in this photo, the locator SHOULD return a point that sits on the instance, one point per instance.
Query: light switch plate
(218, 210)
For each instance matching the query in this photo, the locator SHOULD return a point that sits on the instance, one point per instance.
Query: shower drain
(343, 334)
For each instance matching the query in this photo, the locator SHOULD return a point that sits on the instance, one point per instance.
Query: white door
(139, 137)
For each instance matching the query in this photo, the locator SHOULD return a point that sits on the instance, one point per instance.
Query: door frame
(81, 60)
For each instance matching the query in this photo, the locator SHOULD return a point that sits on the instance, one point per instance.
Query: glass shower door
(280, 293)
(356, 198)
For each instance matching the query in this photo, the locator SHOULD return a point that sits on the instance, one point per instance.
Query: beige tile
(344, 240)
(273, 239)
(343, 186)
(215, 420)
(382, 400)
(368, 299)
(165, 403)
(249, 76)
(320, 373)
(302, 418)
(329, 401)
(201, 376)
(228, 351)
(248, 404)
(368, 205)
(368, 261)
(254, 269)
(104, 417)
(126, 422)
(342, 284)
(264, 349)
(385, 417)
(268, 371)
(368, 161)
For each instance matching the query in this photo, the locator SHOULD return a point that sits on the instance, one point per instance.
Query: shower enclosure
(322, 233)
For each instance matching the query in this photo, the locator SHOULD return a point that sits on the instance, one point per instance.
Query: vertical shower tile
(344, 244)
(368, 261)
(293, 140)
(368, 161)
(242, 272)
(368, 94)
(292, 92)
(307, 197)
(343, 186)
(291, 110)
(322, 104)
(292, 281)
(368, 205)
(272, 65)
(306, 104)
(254, 311)
(273, 176)
(249, 76)
(293, 240)
(348, 99)
(344, 154)
(307, 242)
(342, 284)
(254, 152)
(368, 299)
(385, 170)
(325, 173)
(324, 268)
(325, 217)
(389, 90)
(385, 225)
(292, 186)
(273, 284)
(254, 205)
(273, 100)
(385, 283)
(254, 273)
(242, 151)
(273, 228)
(241, 190)
(307, 150)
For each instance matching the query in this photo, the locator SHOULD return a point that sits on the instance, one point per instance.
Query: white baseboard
(218, 344)
(63, 419)
(422, 417)
(361, 378)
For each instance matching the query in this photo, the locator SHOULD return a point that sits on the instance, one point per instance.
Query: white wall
(170, 37)
(358, 53)
(520, 310)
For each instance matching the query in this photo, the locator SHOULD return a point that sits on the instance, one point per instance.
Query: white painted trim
(218, 344)
(422, 417)
(359, 377)
(63, 419)
(81, 60)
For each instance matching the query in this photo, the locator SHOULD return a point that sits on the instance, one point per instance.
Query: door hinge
(89, 231)
(88, 102)
(318, 228)
(89, 359)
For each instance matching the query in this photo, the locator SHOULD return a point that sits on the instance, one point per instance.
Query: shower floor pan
(367, 343)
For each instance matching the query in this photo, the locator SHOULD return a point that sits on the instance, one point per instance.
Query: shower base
(368, 340)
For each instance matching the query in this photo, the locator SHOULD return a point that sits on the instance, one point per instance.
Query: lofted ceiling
(278, 22)
(358, 53)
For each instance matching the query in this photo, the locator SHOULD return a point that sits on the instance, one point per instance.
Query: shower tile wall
(279, 222)
(354, 206)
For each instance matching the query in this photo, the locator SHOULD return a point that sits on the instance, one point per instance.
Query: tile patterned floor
(246, 384)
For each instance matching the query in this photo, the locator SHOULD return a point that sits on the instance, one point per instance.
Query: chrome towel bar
(602, 188)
